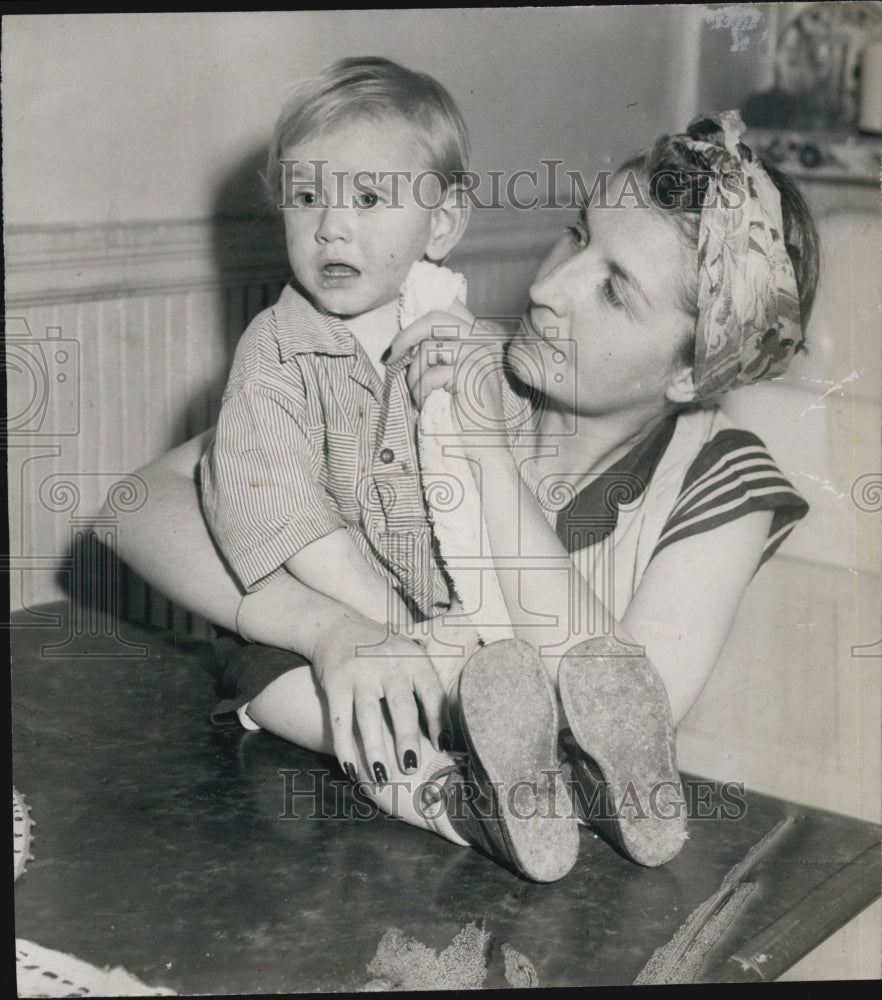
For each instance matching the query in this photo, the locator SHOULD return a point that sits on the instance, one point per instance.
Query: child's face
(353, 235)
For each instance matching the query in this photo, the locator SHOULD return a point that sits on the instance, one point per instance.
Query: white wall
(143, 117)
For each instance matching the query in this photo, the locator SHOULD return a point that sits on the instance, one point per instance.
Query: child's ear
(449, 222)
(681, 387)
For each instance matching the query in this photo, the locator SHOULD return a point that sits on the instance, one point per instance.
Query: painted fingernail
(444, 740)
(380, 773)
(410, 760)
(384, 357)
(350, 772)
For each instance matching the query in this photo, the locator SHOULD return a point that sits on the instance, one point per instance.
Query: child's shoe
(507, 795)
(621, 748)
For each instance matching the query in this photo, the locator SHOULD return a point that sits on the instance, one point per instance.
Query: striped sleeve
(733, 475)
(260, 484)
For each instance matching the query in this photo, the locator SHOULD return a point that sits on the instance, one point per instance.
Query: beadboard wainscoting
(119, 342)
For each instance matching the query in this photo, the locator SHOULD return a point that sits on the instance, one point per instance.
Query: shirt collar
(597, 505)
(303, 329)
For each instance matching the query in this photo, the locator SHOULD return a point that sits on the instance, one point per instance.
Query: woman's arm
(167, 542)
(687, 601)
(357, 661)
(681, 612)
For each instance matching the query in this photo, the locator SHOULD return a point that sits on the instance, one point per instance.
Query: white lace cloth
(42, 972)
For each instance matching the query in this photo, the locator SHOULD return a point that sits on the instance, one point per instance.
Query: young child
(313, 470)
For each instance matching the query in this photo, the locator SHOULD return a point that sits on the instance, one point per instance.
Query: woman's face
(605, 327)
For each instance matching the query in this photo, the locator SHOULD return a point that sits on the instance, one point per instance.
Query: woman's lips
(535, 327)
(532, 330)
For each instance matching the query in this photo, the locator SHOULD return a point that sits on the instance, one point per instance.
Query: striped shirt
(309, 440)
(732, 475)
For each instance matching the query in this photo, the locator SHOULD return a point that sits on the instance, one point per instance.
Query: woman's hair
(380, 90)
(677, 177)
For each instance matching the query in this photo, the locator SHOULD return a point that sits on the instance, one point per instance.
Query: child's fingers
(405, 722)
(369, 716)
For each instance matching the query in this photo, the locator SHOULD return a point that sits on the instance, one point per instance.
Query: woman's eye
(366, 199)
(609, 293)
(578, 235)
(307, 199)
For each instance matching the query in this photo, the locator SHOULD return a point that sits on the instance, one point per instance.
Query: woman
(700, 279)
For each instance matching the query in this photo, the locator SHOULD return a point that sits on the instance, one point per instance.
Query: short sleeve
(733, 475)
(260, 483)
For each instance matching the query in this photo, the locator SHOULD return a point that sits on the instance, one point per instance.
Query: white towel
(452, 497)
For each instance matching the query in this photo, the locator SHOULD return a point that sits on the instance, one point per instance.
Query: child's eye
(609, 293)
(306, 199)
(579, 235)
(366, 199)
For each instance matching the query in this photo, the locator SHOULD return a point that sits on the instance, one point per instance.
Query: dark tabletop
(162, 845)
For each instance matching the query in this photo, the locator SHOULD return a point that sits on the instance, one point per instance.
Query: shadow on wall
(248, 243)
(241, 191)
(250, 260)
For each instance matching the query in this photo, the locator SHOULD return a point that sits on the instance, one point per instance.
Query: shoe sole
(619, 714)
(511, 725)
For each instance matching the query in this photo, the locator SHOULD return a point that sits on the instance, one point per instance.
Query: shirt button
(387, 456)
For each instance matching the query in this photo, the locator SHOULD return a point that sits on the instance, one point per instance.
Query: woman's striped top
(732, 475)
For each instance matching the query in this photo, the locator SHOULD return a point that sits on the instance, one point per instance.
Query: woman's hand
(361, 665)
(457, 353)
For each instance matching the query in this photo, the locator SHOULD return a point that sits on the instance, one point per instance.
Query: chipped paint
(836, 387)
(825, 484)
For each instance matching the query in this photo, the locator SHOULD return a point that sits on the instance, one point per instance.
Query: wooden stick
(815, 917)
(680, 959)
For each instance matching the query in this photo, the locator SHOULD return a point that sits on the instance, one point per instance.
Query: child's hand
(362, 665)
(456, 353)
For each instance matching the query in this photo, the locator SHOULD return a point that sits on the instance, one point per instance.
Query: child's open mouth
(337, 271)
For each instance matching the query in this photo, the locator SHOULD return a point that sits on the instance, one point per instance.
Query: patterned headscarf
(749, 323)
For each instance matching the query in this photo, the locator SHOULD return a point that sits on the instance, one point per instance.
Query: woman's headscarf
(749, 323)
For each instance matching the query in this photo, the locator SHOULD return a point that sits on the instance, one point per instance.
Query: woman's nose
(335, 224)
(556, 277)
